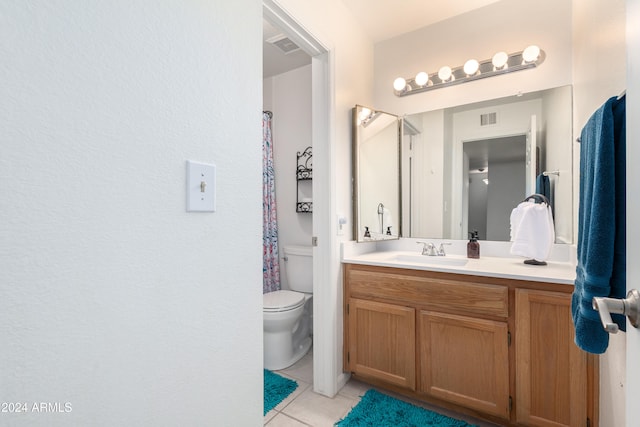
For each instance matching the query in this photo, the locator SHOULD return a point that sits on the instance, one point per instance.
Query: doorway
(325, 256)
(495, 180)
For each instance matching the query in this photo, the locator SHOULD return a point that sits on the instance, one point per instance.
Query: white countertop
(489, 266)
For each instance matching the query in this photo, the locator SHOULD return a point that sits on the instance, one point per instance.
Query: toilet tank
(299, 268)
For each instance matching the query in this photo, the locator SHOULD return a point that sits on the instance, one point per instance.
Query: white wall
(558, 144)
(428, 173)
(112, 297)
(509, 25)
(599, 72)
(288, 96)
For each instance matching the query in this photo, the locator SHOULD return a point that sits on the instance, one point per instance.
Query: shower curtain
(270, 265)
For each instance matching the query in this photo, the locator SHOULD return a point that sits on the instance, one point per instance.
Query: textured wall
(113, 298)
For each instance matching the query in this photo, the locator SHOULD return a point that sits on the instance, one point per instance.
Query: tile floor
(306, 408)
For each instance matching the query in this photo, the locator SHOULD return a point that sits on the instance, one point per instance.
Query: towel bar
(620, 96)
(538, 198)
(629, 306)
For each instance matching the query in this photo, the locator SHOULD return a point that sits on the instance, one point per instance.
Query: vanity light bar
(501, 63)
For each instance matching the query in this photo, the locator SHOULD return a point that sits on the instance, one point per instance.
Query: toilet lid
(282, 300)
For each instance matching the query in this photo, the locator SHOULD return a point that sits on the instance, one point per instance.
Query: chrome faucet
(441, 250)
(429, 249)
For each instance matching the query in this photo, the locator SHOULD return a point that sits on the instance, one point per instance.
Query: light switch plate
(201, 187)
(342, 221)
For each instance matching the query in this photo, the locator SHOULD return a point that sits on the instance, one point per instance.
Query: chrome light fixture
(366, 116)
(500, 63)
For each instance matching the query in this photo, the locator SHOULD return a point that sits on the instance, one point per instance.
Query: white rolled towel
(532, 230)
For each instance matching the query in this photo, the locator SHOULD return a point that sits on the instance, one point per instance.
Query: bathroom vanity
(489, 338)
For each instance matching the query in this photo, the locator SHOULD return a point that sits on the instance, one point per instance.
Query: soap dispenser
(473, 247)
(367, 234)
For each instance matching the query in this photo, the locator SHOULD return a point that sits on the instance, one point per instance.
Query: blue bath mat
(377, 409)
(276, 389)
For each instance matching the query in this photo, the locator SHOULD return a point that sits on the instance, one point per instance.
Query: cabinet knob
(630, 307)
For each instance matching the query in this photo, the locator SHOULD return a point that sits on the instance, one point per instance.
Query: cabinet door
(465, 361)
(382, 341)
(551, 371)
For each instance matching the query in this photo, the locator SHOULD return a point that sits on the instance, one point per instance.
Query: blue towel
(601, 269)
(543, 186)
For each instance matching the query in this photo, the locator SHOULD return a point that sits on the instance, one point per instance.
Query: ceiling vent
(284, 43)
(488, 119)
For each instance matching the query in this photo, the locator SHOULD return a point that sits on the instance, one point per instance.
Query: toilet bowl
(286, 333)
(287, 313)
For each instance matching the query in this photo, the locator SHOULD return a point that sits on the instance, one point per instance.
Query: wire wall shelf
(304, 172)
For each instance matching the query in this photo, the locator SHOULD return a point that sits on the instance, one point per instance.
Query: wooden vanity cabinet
(383, 344)
(494, 348)
(551, 371)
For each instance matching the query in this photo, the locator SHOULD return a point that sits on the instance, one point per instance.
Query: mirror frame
(356, 168)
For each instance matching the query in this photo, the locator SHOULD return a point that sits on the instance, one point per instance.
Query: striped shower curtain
(270, 265)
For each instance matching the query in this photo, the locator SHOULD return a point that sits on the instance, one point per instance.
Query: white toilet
(287, 314)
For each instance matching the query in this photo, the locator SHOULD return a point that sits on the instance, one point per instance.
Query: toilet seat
(282, 300)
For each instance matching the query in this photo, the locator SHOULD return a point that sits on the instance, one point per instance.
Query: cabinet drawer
(444, 295)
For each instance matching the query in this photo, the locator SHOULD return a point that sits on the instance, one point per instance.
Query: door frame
(327, 371)
(632, 386)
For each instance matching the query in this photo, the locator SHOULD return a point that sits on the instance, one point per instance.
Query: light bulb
(364, 114)
(422, 78)
(399, 84)
(444, 73)
(471, 67)
(500, 60)
(531, 53)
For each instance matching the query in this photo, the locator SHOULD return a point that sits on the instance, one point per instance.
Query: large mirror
(465, 168)
(376, 176)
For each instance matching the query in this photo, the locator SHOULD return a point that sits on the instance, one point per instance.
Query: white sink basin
(432, 260)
